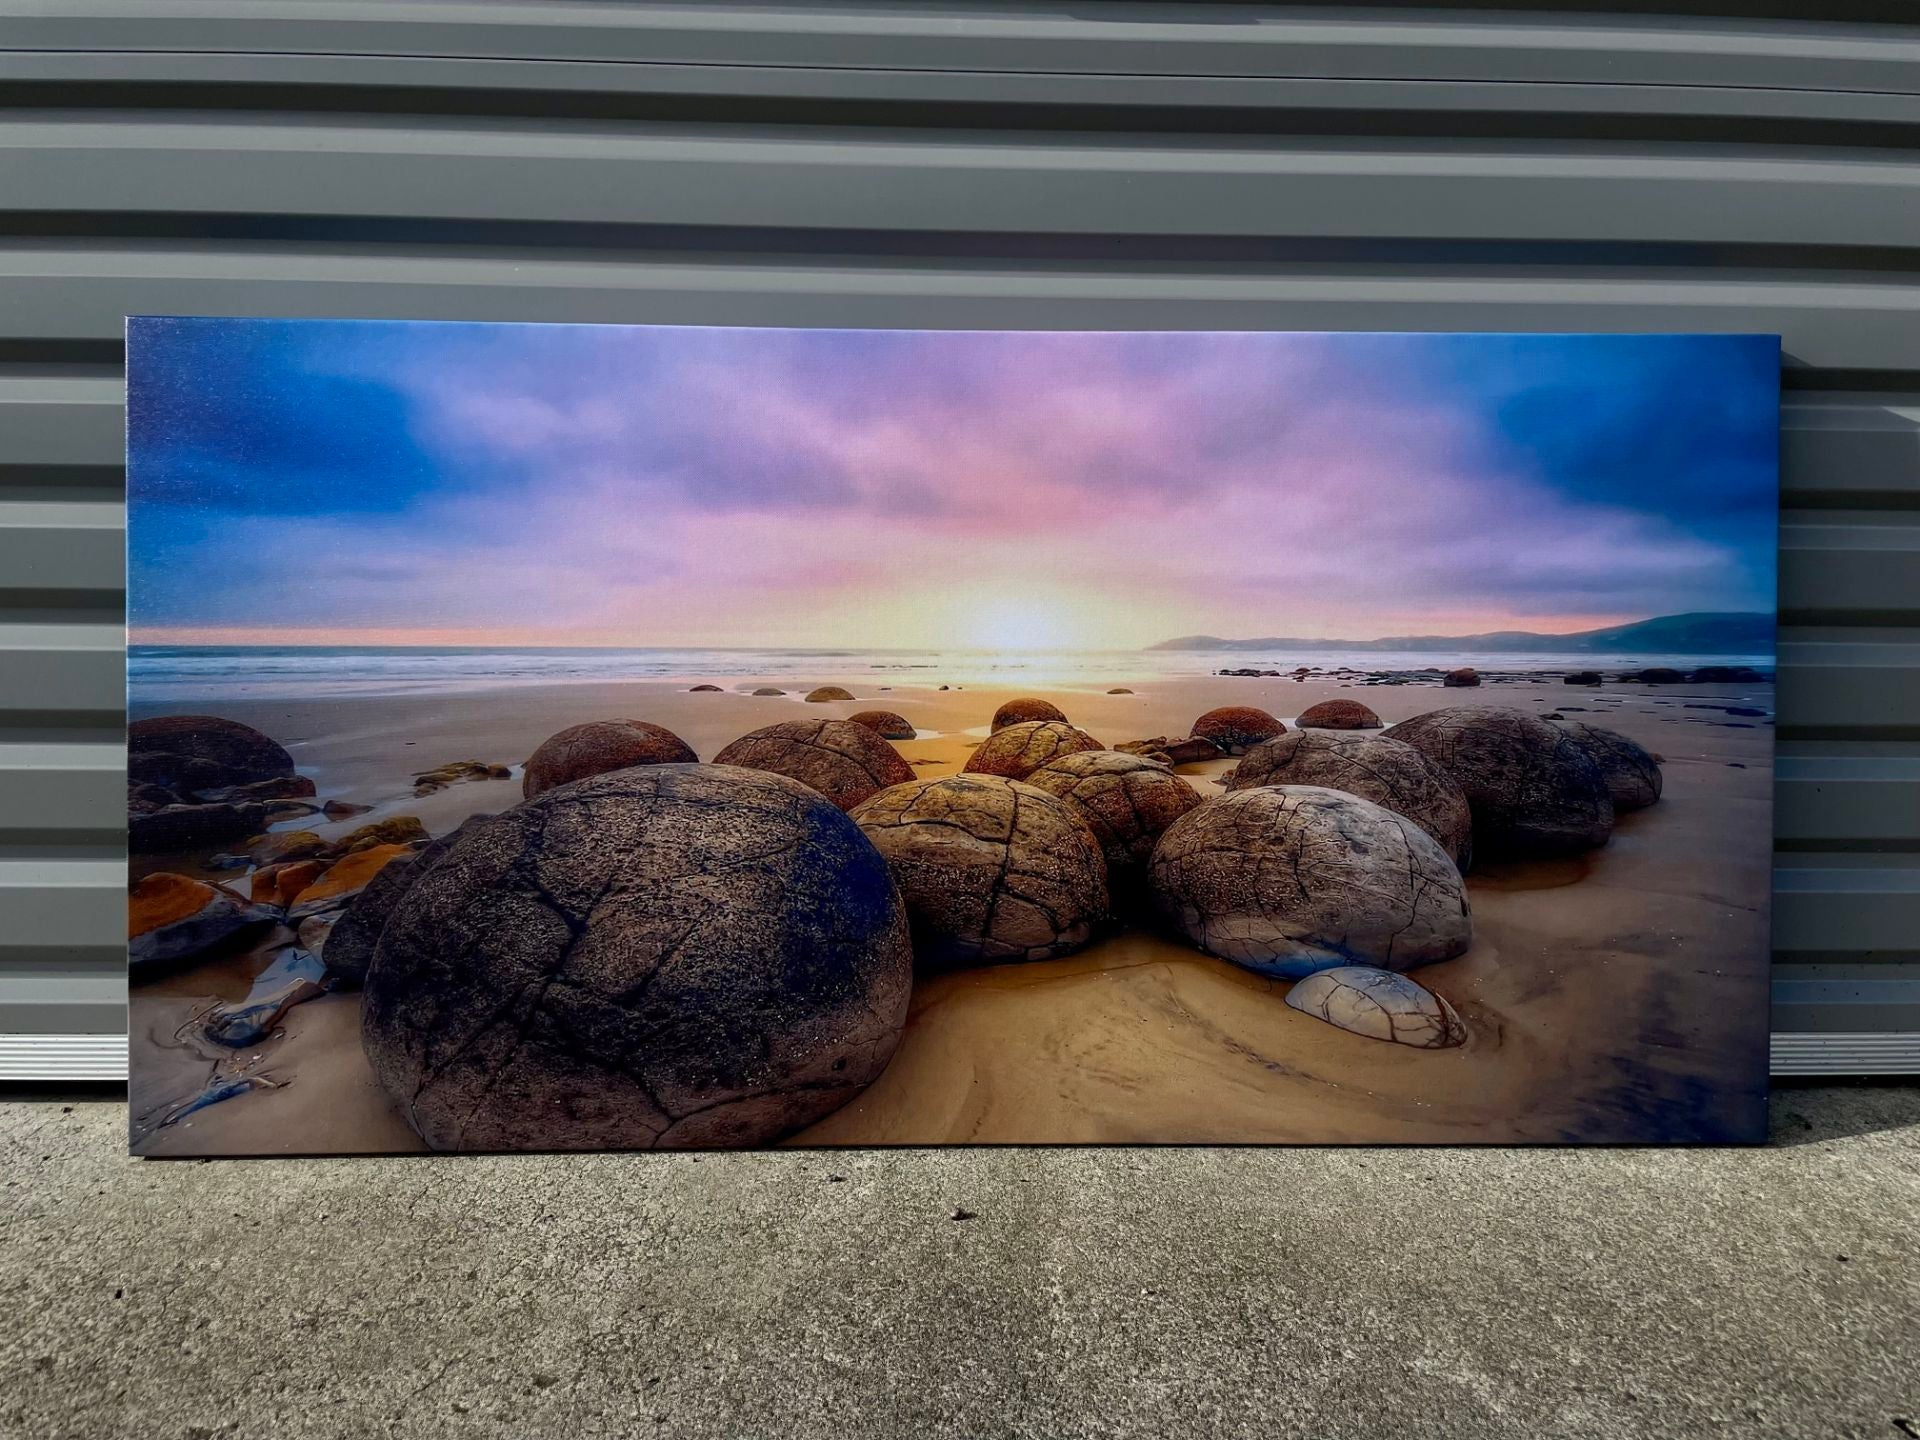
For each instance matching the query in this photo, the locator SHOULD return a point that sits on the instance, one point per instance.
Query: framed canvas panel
(611, 737)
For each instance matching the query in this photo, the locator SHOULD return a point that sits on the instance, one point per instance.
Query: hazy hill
(1723, 632)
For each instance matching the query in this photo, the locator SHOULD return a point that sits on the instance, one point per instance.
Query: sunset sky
(333, 482)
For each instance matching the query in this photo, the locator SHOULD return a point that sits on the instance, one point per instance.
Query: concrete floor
(1264, 1293)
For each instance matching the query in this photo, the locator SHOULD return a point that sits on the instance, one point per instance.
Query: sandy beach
(1615, 996)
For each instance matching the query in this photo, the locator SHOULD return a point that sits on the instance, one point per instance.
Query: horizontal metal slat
(55, 787)
(83, 292)
(60, 667)
(1852, 907)
(1864, 688)
(453, 172)
(62, 546)
(1831, 793)
(58, 904)
(1862, 566)
(1206, 40)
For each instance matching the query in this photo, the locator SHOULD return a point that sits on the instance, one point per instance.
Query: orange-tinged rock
(278, 884)
(172, 917)
(347, 878)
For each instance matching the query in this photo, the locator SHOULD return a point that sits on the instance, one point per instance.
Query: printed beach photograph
(622, 737)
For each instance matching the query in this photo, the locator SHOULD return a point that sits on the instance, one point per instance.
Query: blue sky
(547, 484)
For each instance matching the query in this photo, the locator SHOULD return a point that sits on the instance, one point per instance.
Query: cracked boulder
(1126, 800)
(597, 747)
(1024, 710)
(1380, 1004)
(1632, 774)
(1533, 790)
(1338, 715)
(1290, 879)
(673, 956)
(993, 870)
(1236, 729)
(1375, 767)
(843, 761)
(1015, 752)
(885, 724)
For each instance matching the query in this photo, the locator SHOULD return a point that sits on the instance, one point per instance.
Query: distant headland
(1721, 632)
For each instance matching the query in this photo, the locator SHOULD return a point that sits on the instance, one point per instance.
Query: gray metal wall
(1682, 167)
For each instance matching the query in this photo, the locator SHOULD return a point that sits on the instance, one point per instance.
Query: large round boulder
(1126, 800)
(190, 753)
(1532, 789)
(673, 956)
(1023, 710)
(1375, 767)
(597, 747)
(843, 761)
(1290, 879)
(1632, 774)
(1018, 750)
(1465, 678)
(1338, 715)
(885, 724)
(1236, 729)
(992, 869)
(826, 693)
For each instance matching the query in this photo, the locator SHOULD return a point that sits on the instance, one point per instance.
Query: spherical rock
(1020, 749)
(1464, 678)
(993, 870)
(1338, 715)
(597, 747)
(350, 944)
(1237, 728)
(703, 690)
(885, 724)
(1388, 772)
(1533, 791)
(1126, 800)
(828, 692)
(1290, 879)
(843, 761)
(189, 753)
(1019, 712)
(1380, 1004)
(673, 956)
(1632, 774)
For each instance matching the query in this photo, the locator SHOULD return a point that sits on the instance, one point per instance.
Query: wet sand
(1617, 997)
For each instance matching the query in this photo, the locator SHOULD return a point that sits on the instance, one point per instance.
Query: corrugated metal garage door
(1684, 167)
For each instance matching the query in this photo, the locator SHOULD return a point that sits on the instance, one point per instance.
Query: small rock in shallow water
(1379, 1004)
(343, 809)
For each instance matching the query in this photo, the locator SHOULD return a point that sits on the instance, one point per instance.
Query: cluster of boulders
(651, 951)
(195, 780)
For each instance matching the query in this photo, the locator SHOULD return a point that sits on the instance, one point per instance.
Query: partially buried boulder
(171, 918)
(1126, 800)
(1633, 776)
(1338, 715)
(843, 761)
(1021, 711)
(1290, 879)
(164, 750)
(1188, 751)
(1375, 767)
(1018, 750)
(674, 956)
(769, 690)
(599, 746)
(1237, 728)
(703, 690)
(1582, 677)
(992, 870)
(1380, 1004)
(824, 693)
(885, 724)
(1465, 678)
(1532, 789)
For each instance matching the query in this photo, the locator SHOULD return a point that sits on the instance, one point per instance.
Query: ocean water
(167, 674)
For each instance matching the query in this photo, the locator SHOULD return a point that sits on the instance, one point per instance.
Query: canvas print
(627, 737)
